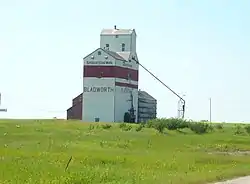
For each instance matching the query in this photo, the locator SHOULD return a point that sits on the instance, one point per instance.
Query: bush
(159, 126)
(238, 130)
(210, 127)
(122, 125)
(139, 128)
(106, 126)
(247, 128)
(183, 124)
(170, 124)
(126, 117)
(199, 127)
(175, 123)
(127, 128)
(219, 126)
(150, 123)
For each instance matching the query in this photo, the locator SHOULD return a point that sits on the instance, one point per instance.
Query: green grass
(37, 151)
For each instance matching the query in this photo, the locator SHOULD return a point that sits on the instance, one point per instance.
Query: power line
(182, 105)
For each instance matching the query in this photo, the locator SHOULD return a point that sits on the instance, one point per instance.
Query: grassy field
(37, 151)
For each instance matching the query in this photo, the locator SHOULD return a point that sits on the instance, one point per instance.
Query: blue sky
(198, 48)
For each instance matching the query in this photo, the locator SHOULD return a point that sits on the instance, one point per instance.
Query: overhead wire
(184, 102)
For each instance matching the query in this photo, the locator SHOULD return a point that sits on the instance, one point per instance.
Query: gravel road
(242, 180)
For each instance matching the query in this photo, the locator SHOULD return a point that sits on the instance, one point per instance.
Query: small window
(123, 46)
(99, 52)
(107, 46)
(97, 119)
(116, 36)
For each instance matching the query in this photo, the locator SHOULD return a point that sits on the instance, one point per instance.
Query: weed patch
(139, 128)
(219, 126)
(73, 152)
(247, 128)
(199, 127)
(106, 126)
(238, 130)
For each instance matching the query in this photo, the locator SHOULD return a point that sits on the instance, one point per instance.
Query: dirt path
(241, 180)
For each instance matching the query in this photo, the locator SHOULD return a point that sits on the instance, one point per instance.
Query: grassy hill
(38, 151)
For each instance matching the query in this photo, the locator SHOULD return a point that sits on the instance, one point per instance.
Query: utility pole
(1, 109)
(210, 110)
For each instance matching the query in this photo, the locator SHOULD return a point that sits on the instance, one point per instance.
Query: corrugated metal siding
(77, 100)
(146, 107)
(75, 112)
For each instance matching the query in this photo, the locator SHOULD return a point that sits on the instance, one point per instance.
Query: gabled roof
(77, 96)
(144, 94)
(111, 53)
(117, 31)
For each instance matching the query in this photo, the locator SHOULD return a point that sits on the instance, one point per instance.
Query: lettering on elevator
(99, 62)
(127, 64)
(126, 90)
(98, 89)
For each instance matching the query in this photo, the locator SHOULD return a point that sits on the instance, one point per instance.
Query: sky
(201, 49)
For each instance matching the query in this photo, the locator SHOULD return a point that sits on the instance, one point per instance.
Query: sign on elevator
(99, 89)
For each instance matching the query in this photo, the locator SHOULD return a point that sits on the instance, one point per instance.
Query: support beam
(181, 99)
(2, 109)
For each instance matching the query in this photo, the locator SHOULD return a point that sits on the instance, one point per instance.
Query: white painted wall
(133, 44)
(126, 81)
(100, 60)
(122, 105)
(128, 64)
(115, 43)
(98, 104)
(108, 106)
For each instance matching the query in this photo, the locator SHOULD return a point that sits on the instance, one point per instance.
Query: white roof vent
(92, 57)
(106, 57)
